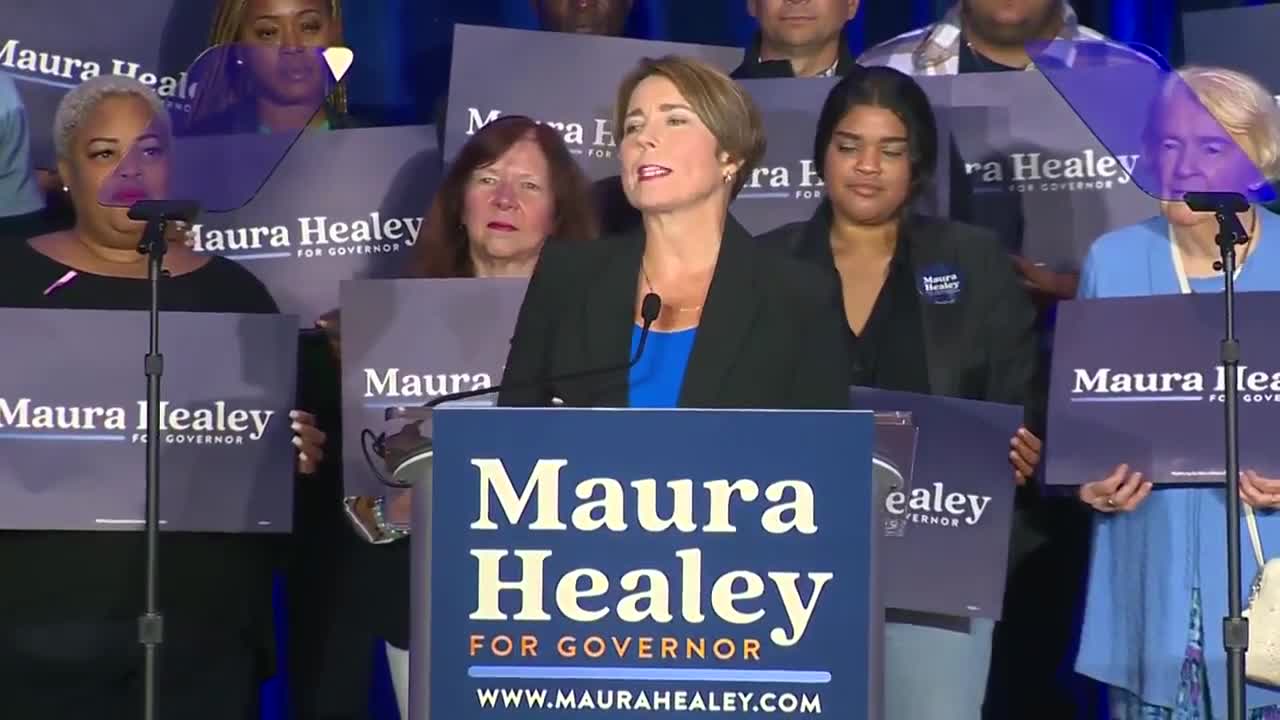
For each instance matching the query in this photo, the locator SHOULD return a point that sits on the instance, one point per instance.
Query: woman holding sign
(1155, 596)
(68, 643)
(931, 307)
(511, 186)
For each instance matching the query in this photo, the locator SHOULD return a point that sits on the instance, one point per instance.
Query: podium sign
(653, 562)
(406, 342)
(73, 421)
(1157, 405)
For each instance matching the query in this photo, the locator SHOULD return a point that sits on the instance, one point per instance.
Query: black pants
(95, 671)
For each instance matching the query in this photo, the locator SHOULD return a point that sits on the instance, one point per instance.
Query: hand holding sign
(1121, 491)
(1258, 491)
(1025, 455)
(309, 440)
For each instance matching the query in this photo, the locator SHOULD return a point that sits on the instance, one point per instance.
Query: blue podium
(646, 563)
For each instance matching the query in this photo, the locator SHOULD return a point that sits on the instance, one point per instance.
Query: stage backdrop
(1241, 38)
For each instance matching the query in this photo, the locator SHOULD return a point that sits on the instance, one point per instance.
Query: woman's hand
(309, 440)
(1024, 455)
(1122, 491)
(1259, 492)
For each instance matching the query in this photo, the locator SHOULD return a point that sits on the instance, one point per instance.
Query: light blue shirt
(656, 380)
(1145, 563)
(19, 194)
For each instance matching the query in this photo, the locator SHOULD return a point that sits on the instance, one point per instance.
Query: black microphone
(165, 210)
(1216, 202)
(420, 447)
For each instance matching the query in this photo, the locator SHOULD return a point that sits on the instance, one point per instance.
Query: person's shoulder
(896, 52)
(794, 279)
(9, 97)
(237, 287)
(970, 244)
(1123, 243)
(782, 238)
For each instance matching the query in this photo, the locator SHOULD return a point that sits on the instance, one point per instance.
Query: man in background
(589, 17)
(799, 38)
(21, 203)
(989, 36)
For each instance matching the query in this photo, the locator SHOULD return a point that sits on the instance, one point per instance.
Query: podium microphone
(413, 449)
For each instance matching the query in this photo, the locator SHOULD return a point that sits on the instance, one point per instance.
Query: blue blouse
(655, 381)
(1145, 563)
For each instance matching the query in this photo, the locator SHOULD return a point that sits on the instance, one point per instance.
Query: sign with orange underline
(646, 562)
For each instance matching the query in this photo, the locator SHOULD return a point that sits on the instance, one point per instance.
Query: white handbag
(1262, 661)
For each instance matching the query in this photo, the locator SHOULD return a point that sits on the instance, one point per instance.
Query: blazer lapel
(943, 323)
(609, 317)
(731, 306)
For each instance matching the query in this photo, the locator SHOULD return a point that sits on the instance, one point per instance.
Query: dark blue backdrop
(403, 52)
(404, 44)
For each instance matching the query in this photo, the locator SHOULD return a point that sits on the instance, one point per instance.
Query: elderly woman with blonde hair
(1151, 630)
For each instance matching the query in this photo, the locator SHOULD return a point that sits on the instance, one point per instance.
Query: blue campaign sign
(646, 563)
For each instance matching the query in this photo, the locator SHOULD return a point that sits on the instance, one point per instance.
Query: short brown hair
(720, 103)
(443, 249)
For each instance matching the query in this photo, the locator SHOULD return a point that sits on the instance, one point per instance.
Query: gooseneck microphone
(418, 448)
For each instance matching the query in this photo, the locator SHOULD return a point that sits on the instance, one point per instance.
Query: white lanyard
(1181, 272)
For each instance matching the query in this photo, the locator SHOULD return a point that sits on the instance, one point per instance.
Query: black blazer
(981, 347)
(771, 334)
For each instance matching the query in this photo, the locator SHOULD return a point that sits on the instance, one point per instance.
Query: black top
(771, 333)
(890, 352)
(972, 61)
(215, 588)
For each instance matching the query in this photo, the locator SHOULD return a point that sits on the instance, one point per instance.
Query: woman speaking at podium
(740, 326)
(1152, 626)
(68, 639)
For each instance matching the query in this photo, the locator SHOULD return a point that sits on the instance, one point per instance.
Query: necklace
(645, 274)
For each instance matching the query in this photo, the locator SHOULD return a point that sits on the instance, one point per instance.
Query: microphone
(408, 448)
(1216, 202)
(164, 210)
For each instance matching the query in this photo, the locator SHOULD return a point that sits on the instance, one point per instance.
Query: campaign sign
(1157, 404)
(1240, 38)
(408, 342)
(786, 187)
(567, 81)
(73, 421)
(51, 47)
(342, 204)
(958, 508)
(1037, 176)
(643, 563)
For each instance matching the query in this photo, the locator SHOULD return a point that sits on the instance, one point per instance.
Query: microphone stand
(1235, 627)
(157, 214)
(151, 623)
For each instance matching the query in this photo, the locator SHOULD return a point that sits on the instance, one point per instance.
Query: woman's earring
(728, 178)
(66, 189)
